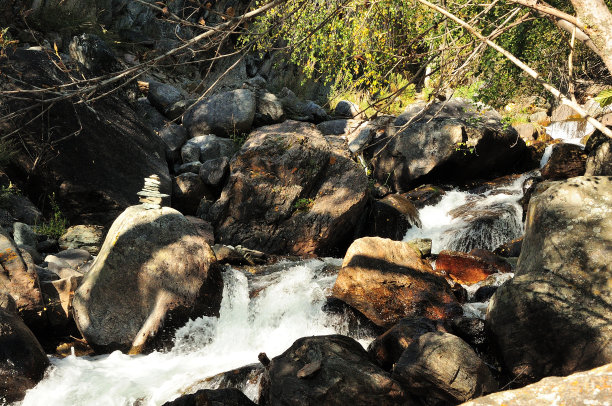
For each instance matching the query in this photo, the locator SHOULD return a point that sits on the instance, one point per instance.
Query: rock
(388, 348)
(390, 217)
(34, 255)
(290, 192)
(269, 109)
(7, 303)
(73, 258)
(510, 249)
(206, 147)
(582, 388)
(347, 109)
(162, 96)
(341, 126)
(215, 171)
(204, 229)
(20, 280)
(425, 195)
(193, 167)
(242, 378)
(563, 112)
(566, 161)
(441, 366)
(540, 117)
(210, 397)
(484, 293)
(24, 235)
(387, 280)
(187, 191)
(93, 53)
(22, 359)
(176, 110)
(599, 160)
(58, 300)
(301, 110)
(343, 375)
(150, 115)
(423, 245)
(554, 317)
(471, 330)
(22, 209)
(85, 236)
(465, 268)
(501, 264)
(223, 114)
(153, 272)
(95, 173)
(527, 131)
(174, 136)
(360, 137)
(452, 142)
(49, 245)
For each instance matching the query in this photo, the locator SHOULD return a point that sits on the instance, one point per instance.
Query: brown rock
(510, 249)
(390, 217)
(425, 195)
(566, 161)
(526, 131)
(387, 280)
(464, 268)
(187, 191)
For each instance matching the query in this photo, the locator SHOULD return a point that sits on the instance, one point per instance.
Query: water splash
(284, 306)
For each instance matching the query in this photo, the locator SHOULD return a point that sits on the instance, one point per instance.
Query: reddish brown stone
(464, 268)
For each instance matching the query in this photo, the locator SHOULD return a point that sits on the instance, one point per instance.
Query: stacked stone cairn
(150, 197)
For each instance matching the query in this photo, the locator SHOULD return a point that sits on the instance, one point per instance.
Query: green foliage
(57, 224)
(604, 98)
(239, 139)
(303, 204)
(5, 195)
(469, 91)
(6, 41)
(465, 148)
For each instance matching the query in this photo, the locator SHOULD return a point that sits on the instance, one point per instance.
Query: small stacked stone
(149, 195)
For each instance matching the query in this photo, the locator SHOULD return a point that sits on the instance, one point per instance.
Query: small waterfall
(462, 221)
(259, 313)
(571, 132)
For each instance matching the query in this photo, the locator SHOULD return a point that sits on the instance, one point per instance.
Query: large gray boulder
(290, 191)
(223, 114)
(451, 141)
(205, 147)
(22, 359)
(162, 96)
(554, 317)
(152, 273)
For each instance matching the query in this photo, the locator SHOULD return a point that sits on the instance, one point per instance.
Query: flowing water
(258, 314)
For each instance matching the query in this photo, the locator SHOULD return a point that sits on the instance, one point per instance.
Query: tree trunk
(595, 15)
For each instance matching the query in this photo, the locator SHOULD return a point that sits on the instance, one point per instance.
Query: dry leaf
(230, 11)
(201, 21)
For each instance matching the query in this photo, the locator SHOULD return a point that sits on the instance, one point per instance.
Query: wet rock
(387, 280)
(465, 268)
(582, 388)
(468, 144)
(24, 235)
(389, 347)
(441, 366)
(471, 330)
(554, 317)
(510, 249)
(290, 191)
(210, 397)
(484, 293)
(152, 273)
(390, 217)
(566, 161)
(85, 236)
(22, 359)
(423, 245)
(174, 136)
(214, 171)
(347, 109)
(162, 96)
(187, 191)
(425, 195)
(206, 147)
(223, 114)
(344, 375)
(242, 379)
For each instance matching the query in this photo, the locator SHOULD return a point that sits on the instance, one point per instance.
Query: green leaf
(604, 98)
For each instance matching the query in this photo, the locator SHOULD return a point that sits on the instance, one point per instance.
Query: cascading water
(260, 313)
(462, 221)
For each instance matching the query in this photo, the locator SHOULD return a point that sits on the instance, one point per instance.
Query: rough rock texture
(206, 147)
(209, 397)
(187, 191)
(340, 126)
(269, 109)
(390, 217)
(566, 161)
(153, 271)
(451, 142)
(465, 268)
(22, 359)
(599, 160)
(101, 151)
(387, 280)
(222, 114)
(330, 370)
(93, 53)
(425, 195)
(87, 237)
(289, 191)
(443, 366)
(592, 387)
(347, 109)
(554, 317)
(389, 347)
(214, 171)
(162, 96)
(174, 136)
(301, 110)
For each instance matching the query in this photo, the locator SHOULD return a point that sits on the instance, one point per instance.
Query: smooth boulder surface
(465, 268)
(290, 191)
(223, 114)
(592, 387)
(452, 141)
(387, 280)
(554, 317)
(152, 273)
(330, 370)
(22, 359)
(443, 366)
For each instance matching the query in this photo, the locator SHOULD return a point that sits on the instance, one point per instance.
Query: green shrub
(56, 226)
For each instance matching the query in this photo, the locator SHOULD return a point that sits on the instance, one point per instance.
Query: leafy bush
(57, 224)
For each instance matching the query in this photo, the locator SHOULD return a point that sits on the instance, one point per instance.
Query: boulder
(174, 136)
(527, 131)
(153, 272)
(22, 209)
(101, 151)
(92, 52)
(390, 217)
(163, 96)
(210, 397)
(330, 370)
(223, 114)
(387, 348)
(72, 258)
(511, 248)
(465, 268)
(58, 301)
(453, 141)
(346, 109)
(193, 167)
(214, 171)
(301, 110)
(554, 317)
(582, 388)
(150, 115)
(441, 366)
(84, 236)
(425, 195)
(387, 280)
(206, 147)
(24, 235)
(566, 161)
(340, 126)
(269, 109)
(599, 150)
(7, 302)
(22, 359)
(290, 191)
(187, 191)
